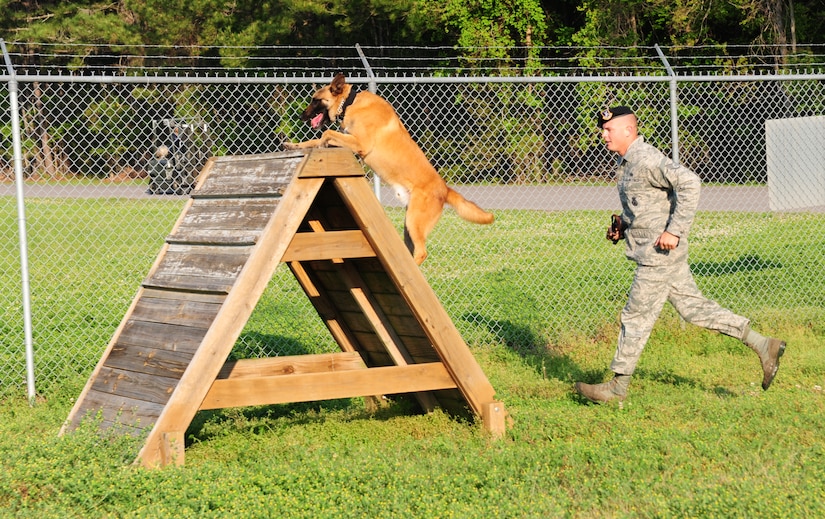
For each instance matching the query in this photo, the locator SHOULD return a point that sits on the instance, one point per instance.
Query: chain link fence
(108, 162)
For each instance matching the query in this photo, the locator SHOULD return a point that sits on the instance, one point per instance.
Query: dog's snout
(313, 109)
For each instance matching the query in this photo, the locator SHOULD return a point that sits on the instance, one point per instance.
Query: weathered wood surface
(241, 300)
(314, 211)
(186, 288)
(249, 175)
(224, 221)
(199, 268)
(114, 410)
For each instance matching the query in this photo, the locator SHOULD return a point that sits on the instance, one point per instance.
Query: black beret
(610, 113)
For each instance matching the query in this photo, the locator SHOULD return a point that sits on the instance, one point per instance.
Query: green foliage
(485, 28)
(491, 27)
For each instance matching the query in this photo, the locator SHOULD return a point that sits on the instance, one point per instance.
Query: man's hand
(616, 230)
(667, 241)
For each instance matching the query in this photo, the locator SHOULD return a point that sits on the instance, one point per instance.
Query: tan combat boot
(615, 389)
(770, 361)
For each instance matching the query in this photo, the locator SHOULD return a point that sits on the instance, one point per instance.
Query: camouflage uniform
(658, 196)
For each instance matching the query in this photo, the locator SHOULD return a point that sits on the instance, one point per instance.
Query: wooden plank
(420, 348)
(328, 245)
(80, 409)
(331, 162)
(118, 409)
(402, 325)
(493, 418)
(390, 302)
(380, 324)
(292, 364)
(121, 428)
(172, 447)
(149, 360)
(326, 386)
(229, 213)
(138, 386)
(160, 336)
(199, 268)
(426, 307)
(251, 175)
(178, 295)
(373, 351)
(195, 314)
(224, 221)
(327, 274)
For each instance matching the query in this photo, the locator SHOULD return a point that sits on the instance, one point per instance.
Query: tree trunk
(45, 158)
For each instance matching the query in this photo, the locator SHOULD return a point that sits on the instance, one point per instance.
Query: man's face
(619, 132)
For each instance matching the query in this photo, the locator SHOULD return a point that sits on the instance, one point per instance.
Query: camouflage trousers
(651, 287)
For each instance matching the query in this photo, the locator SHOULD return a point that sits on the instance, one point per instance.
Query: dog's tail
(468, 210)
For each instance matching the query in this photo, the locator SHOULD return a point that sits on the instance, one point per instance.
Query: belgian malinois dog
(371, 129)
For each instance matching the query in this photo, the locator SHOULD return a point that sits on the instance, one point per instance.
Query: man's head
(619, 128)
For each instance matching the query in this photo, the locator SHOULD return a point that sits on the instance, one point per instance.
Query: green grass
(537, 297)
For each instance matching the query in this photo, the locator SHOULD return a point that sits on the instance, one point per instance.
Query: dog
(371, 129)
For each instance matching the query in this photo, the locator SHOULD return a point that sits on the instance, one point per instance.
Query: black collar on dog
(348, 101)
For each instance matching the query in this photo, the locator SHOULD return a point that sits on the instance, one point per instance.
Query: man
(659, 200)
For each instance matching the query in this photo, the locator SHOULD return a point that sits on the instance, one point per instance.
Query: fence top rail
(239, 79)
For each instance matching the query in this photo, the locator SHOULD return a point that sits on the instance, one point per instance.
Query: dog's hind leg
(422, 214)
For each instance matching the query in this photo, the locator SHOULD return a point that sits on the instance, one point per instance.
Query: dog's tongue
(316, 121)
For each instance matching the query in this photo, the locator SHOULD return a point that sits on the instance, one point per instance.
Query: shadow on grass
(668, 378)
(522, 340)
(746, 263)
(265, 418)
(525, 343)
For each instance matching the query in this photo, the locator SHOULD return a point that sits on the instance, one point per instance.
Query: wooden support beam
(417, 292)
(493, 418)
(292, 365)
(326, 310)
(307, 246)
(172, 448)
(309, 387)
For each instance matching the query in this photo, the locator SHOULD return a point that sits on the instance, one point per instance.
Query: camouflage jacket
(656, 196)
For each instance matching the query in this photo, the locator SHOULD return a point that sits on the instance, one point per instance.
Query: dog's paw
(290, 145)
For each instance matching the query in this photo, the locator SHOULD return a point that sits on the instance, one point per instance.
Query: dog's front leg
(328, 138)
(314, 143)
(344, 140)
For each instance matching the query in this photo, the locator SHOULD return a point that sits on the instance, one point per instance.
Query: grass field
(697, 437)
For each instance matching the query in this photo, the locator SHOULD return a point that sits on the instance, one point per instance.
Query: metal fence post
(21, 223)
(674, 101)
(372, 88)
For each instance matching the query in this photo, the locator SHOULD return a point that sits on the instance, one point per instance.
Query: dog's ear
(337, 85)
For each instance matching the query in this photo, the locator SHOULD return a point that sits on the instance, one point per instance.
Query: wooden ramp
(314, 211)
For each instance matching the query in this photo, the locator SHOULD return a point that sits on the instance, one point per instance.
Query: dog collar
(345, 104)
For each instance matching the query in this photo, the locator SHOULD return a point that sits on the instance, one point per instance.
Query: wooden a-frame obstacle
(314, 211)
